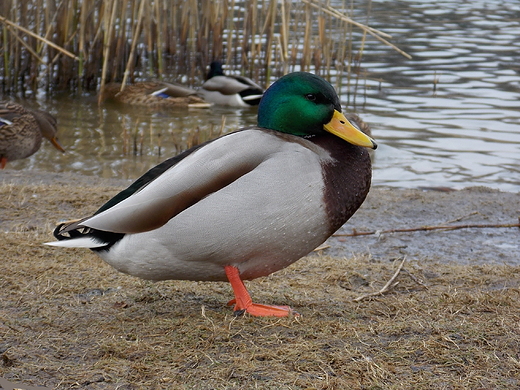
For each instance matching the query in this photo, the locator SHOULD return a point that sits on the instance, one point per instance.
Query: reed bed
(82, 44)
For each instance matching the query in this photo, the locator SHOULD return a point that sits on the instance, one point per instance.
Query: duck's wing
(173, 90)
(250, 83)
(9, 111)
(199, 174)
(225, 85)
(253, 93)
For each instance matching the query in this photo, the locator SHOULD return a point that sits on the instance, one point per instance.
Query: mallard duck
(21, 131)
(241, 206)
(154, 94)
(225, 90)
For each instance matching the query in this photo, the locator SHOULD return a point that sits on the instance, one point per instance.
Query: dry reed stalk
(230, 34)
(36, 36)
(121, 40)
(193, 138)
(136, 133)
(134, 43)
(27, 47)
(159, 145)
(222, 126)
(268, 29)
(306, 55)
(106, 44)
(125, 136)
(159, 27)
(372, 31)
(251, 33)
(141, 142)
(6, 53)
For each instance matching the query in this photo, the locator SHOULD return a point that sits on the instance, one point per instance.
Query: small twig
(387, 287)
(428, 228)
(203, 313)
(321, 247)
(415, 279)
(464, 216)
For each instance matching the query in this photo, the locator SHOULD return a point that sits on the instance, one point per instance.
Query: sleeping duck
(22, 130)
(236, 91)
(241, 206)
(154, 94)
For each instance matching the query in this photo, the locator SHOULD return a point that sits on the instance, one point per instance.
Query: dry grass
(71, 321)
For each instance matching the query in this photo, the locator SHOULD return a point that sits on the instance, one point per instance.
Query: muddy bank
(390, 209)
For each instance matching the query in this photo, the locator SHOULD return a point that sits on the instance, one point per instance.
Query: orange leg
(244, 303)
(3, 162)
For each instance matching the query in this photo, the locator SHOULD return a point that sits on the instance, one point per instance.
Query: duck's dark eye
(311, 97)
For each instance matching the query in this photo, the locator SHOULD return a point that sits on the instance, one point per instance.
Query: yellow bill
(342, 128)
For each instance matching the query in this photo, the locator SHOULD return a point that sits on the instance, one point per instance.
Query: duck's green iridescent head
(304, 104)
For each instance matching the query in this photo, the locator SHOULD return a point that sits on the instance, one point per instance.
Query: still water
(449, 117)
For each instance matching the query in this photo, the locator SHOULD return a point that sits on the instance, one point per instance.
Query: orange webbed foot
(259, 310)
(243, 302)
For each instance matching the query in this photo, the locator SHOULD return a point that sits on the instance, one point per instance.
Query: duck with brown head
(21, 131)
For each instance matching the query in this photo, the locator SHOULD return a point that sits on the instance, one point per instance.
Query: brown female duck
(21, 131)
(154, 94)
